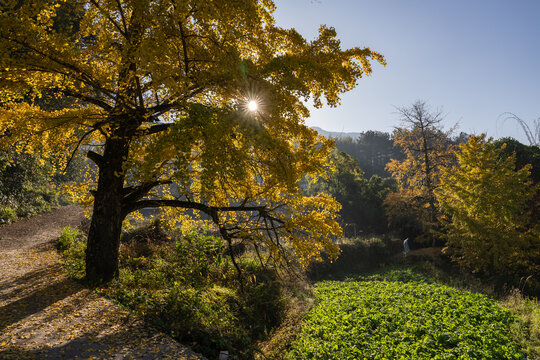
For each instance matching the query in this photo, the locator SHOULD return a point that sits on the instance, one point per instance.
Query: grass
(527, 331)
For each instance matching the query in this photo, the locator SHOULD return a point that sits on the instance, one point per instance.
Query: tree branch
(77, 147)
(102, 104)
(108, 16)
(135, 193)
(186, 204)
(154, 129)
(95, 157)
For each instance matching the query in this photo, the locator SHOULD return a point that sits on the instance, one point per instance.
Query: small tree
(427, 148)
(484, 200)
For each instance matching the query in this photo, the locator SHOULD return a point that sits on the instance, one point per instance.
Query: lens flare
(252, 105)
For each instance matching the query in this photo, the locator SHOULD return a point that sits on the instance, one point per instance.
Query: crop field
(381, 319)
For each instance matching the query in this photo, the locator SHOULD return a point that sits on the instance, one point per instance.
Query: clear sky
(473, 59)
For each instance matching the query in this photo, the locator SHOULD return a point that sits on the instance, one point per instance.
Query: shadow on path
(36, 301)
(105, 347)
(46, 315)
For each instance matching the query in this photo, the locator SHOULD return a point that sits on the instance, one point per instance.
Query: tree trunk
(106, 226)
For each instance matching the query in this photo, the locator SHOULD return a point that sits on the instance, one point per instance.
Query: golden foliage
(168, 81)
(485, 202)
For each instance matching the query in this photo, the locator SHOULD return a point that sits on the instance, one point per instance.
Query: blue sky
(473, 59)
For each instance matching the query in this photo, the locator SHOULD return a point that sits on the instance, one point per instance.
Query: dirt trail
(46, 315)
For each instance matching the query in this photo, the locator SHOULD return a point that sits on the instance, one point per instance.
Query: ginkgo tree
(485, 203)
(158, 99)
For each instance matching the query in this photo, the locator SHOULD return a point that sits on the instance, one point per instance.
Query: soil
(46, 315)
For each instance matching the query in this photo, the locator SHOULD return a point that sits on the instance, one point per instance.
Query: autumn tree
(159, 93)
(484, 200)
(426, 149)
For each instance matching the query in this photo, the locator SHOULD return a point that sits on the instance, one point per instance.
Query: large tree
(160, 92)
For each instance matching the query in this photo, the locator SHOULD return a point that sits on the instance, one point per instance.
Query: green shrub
(357, 255)
(7, 214)
(72, 245)
(68, 237)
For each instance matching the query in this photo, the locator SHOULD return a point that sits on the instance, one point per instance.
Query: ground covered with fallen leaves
(46, 315)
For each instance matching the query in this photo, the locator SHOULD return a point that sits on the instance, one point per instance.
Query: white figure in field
(406, 247)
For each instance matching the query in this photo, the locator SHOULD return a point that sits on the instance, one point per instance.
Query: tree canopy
(158, 93)
(373, 150)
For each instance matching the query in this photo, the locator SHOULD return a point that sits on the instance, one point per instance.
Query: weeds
(528, 329)
(184, 286)
(72, 245)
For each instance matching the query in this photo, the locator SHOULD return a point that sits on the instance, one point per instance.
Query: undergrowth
(358, 254)
(35, 200)
(187, 287)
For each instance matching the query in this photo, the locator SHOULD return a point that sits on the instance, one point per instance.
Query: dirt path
(46, 315)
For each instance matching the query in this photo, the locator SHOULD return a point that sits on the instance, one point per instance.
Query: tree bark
(106, 225)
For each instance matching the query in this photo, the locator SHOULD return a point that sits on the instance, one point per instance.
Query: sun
(252, 105)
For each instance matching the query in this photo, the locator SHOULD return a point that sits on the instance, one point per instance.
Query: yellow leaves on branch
(318, 216)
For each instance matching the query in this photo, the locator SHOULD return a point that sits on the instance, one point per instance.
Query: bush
(28, 183)
(72, 246)
(7, 214)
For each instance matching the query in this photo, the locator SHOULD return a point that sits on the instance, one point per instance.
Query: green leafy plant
(381, 319)
(72, 246)
(7, 214)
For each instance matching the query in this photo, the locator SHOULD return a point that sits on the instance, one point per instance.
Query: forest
(215, 215)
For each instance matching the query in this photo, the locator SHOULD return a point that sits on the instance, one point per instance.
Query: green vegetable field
(381, 319)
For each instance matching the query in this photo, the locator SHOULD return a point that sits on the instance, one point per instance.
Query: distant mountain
(337, 135)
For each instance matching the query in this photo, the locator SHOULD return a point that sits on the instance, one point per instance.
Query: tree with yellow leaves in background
(427, 149)
(484, 200)
(201, 97)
